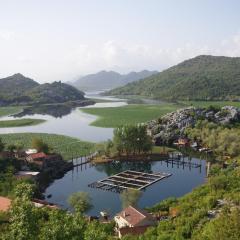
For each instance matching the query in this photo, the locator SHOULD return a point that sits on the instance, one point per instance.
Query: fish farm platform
(129, 180)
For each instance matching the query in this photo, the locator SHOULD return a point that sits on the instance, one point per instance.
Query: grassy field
(131, 114)
(210, 103)
(20, 122)
(68, 147)
(4, 111)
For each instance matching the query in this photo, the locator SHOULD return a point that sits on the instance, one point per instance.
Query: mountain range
(20, 90)
(109, 79)
(204, 77)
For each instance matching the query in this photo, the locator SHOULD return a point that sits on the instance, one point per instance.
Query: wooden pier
(128, 180)
(180, 162)
(83, 160)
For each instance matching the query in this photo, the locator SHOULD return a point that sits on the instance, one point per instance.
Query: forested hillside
(20, 90)
(201, 78)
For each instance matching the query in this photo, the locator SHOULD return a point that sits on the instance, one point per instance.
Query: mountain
(16, 85)
(201, 78)
(20, 90)
(109, 79)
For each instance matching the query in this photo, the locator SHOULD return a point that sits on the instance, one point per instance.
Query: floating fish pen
(128, 180)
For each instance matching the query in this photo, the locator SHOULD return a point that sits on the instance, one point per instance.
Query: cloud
(7, 35)
(50, 62)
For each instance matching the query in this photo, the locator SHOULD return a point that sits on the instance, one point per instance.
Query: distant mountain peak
(109, 79)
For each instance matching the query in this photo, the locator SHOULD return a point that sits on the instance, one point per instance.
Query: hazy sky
(60, 39)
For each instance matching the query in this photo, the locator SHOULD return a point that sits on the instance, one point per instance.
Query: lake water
(77, 124)
(181, 182)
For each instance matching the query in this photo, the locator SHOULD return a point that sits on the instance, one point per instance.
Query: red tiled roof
(133, 215)
(133, 230)
(5, 204)
(38, 155)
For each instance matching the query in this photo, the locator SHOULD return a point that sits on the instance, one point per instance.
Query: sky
(52, 40)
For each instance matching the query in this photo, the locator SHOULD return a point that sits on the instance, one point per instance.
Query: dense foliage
(29, 222)
(222, 140)
(131, 140)
(200, 78)
(19, 90)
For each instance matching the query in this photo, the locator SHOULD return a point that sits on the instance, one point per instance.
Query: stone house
(133, 221)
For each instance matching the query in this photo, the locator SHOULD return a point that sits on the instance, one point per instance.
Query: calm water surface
(77, 124)
(181, 182)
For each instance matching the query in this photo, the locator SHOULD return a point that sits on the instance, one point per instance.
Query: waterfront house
(133, 221)
(43, 160)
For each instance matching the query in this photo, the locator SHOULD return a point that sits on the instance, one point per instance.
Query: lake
(75, 123)
(181, 182)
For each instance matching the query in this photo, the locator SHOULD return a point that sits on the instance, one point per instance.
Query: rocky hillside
(19, 90)
(109, 79)
(15, 85)
(171, 126)
(201, 78)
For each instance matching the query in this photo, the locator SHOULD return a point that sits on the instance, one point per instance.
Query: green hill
(19, 90)
(201, 78)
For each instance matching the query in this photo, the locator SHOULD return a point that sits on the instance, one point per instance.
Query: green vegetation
(19, 90)
(37, 143)
(29, 222)
(131, 114)
(200, 78)
(68, 147)
(80, 201)
(205, 104)
(223, 141)
(5, 111)
(131, 140)
(20, 122)
(190, 218)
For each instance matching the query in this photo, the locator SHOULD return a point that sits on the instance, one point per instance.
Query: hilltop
(200, 78)
(109, 79)
(20, 90)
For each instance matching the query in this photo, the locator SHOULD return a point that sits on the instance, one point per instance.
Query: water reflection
(182, 181)
(57, 111)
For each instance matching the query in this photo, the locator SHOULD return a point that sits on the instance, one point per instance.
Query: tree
(11, 147)
(24, 190)
(38, 144)
(131, 139)
(130, 197)
(2, 145)
(80, 201)
(23, 215)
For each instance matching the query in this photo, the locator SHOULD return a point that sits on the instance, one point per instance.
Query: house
(31, 151)
(133, 221)
(183, 142)
(5, 204)
(43, 160)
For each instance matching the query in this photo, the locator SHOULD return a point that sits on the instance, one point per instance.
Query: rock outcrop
(172, 125)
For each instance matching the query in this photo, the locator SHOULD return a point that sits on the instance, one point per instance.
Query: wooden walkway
(128, 180)
(183, 163)
(83, 160)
